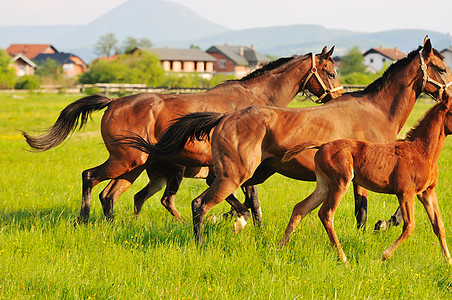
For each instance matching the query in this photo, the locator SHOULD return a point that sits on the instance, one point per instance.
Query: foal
(405, 168)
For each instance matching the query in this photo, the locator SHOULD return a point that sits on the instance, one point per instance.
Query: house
(23, 65)
(191, 60)
(236, 60)
(376, 58)
(30, 50)
(447, 53)
(72, 64)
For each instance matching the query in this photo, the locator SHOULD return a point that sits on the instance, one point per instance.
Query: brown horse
(248, 144)
(405, 168)
(149, 114)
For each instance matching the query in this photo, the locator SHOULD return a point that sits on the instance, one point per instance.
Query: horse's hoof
(240, 223)
(381, 225)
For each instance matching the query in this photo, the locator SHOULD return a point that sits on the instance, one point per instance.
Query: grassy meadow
(153, 256)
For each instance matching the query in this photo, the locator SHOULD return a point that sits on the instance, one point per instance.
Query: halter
(313, 71)
(426, 78)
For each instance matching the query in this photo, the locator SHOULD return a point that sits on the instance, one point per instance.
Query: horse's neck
(429, 140)
(278, 87)
(397, 99)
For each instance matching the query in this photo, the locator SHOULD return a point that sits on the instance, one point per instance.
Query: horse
(149, 114)
(248, 144)
(406, 168)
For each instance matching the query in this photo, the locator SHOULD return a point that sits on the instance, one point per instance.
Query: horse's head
(325, 82)
(436, 75)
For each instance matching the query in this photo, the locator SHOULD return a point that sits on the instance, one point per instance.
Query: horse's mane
(267, 67)
(383, 80)
(424, 123)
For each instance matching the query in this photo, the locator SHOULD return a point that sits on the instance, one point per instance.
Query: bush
(27, 82)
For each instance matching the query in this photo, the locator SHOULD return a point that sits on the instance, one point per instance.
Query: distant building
(23, 65)
(72, 64)
(184, 60)
(236, 60)
(30, 50)
(376, 58)
(447, 53)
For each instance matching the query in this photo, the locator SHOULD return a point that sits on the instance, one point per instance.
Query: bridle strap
(314, 72)
(426, 78)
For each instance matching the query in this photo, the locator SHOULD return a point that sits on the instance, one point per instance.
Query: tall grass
(42, 255)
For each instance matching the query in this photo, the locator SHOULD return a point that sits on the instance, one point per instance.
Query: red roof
(392, 53)
(30, 50)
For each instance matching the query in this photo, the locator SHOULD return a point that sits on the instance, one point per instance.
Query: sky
(356, 15)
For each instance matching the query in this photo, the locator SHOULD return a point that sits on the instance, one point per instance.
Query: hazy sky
(358, 15)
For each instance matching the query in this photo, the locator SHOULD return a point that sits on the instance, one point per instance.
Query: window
(371, 60)
(222, 64)
(68, 67)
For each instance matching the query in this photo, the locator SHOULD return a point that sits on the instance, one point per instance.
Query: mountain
(174, 25)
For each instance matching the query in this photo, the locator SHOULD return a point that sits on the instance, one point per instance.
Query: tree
(7, 73)
(352, 62)
(49, 68)
(139, 67)
(131, 43)
(106, 45)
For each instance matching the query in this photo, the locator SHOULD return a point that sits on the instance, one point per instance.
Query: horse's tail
(290, 154)
(190, 127)
(75, 114)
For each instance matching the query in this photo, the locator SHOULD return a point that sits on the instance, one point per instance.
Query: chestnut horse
(405, 168)
(149, 114)
(248, 144)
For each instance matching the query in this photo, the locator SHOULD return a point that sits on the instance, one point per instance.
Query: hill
(174, 25)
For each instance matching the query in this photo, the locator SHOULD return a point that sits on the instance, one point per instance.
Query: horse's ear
(427, 45)
(324, 50)
(329, 53)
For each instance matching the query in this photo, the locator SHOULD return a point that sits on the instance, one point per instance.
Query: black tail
(75, 114)
(194, 126)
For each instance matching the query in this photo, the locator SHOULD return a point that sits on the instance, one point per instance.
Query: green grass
(42, 255)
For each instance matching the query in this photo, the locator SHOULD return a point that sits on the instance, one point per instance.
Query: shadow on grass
(132, 232)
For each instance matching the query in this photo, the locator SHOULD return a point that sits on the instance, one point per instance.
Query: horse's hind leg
(302, 208)
(252, 202)
(216, 193)
(395, 220)
(430, 202)
(156, 184)
(336, 191)
(118, 186)
(90, 178)
(360, 194)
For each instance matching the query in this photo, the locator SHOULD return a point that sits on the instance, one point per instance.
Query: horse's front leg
(360, 205)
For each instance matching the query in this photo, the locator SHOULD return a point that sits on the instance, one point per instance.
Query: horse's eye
(440, 70)
(331, 75)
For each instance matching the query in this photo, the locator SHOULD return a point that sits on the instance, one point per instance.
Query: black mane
(424, 122)
(267, 67)
(383, 80)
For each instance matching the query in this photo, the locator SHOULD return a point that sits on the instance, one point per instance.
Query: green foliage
(352, 62)
(139, 67)
(131, 43)
(184, 81)
(106, 45)
(27, 82)
(50, 68)
(219, 78)
(7, 72)
(153, 256)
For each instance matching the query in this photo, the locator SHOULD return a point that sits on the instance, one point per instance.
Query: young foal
(405, 168)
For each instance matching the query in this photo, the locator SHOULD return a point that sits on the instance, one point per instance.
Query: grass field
(42, 255)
